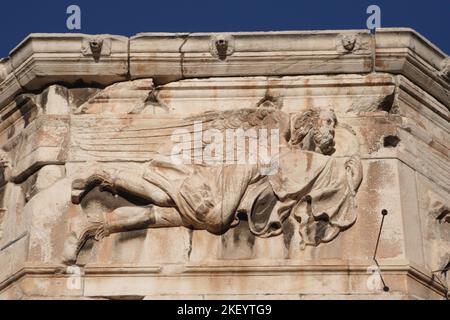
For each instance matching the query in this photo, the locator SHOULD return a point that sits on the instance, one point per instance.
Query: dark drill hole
(242, 216)
(391, 141)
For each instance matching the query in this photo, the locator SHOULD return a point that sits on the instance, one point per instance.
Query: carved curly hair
(302, 125)
(304, 131)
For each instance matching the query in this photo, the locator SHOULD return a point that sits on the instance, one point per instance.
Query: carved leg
(126, 219)
(116, 180)
(120, 220)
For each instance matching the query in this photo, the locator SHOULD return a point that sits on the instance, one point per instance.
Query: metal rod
(384, 212)
(379, 236)
(23, 235)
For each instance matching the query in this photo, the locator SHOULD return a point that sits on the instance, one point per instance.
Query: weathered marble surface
(115, 109)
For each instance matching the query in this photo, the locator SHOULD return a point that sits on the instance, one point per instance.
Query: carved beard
(297, 137)
(324, 140)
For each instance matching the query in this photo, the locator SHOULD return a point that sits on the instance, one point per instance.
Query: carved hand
(354, 172)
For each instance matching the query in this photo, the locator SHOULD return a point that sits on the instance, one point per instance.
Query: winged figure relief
(203, 173)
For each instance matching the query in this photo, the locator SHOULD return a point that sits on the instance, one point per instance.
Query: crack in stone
(373, 50)
(180, 50)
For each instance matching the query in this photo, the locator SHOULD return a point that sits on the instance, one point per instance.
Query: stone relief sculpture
(105, 138)
(310, 184)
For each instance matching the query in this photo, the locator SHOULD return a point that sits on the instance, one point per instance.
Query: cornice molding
(71, 59)
(389, 268)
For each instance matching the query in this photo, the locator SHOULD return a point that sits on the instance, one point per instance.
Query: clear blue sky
(19, 18)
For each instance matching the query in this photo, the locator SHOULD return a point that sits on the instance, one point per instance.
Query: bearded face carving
(314, 131)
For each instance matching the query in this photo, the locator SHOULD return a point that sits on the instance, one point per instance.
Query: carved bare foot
(78, 237)
(120, 220)
(89, 178)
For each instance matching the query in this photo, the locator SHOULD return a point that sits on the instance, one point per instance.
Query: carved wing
(139, 138)
(245, 130)
(125, 138)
